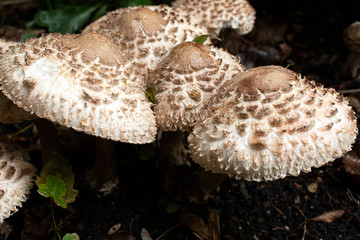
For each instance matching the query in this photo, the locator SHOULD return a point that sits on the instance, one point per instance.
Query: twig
(13, 2)
(12, 135)
(169, 230)
(355, 90)
(305, 221)
(351, 197)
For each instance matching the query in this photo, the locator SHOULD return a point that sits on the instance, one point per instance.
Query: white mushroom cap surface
(218, 14)
(80, 81)
(186, 79)
(9, 112)
(148, 33)
(269, 122)
(16, 178)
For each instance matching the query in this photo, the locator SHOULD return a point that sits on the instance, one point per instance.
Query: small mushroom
(269, 122)
(219, 14)
(352, 41)
(9, 112)
(83, 81)
(16, 178)
(148, 33)
(186, 79)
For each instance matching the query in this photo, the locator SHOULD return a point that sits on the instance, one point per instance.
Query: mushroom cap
(185, 81)
(16, 178)
(80, 81)
(218, 14)
(269, 122)
(352, 37)
(148, 33)
(9, 112)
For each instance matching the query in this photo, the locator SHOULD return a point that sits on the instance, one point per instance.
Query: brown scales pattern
(275, 137)
(186, 79)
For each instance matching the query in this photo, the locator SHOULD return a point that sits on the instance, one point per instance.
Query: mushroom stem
(104, 168)
(172, 150)
(352, 65)
(48, 138)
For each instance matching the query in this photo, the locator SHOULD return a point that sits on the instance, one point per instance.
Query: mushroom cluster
(269, 122)
(16, 178)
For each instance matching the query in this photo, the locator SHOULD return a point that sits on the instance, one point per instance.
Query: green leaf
(131, 3)
(72, 236)
(200, 39)
(150, 93)
(52, 167)
(26, 35)
(170, 206)
(65, 19)
(100, 12)
(54, 187)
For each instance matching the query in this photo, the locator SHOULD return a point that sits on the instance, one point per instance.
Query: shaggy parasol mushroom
(269, 122)
(218, 14)
(82, 82)
(16, 178)
(9, 112)
(148, 33)
(352, 41)
(186, 79)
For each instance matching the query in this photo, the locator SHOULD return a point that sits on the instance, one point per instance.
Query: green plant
(56, 181)
(71, 16)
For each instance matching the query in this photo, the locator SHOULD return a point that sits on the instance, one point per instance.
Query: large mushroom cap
(9, 112)
(16, 178)
(186, 79)
(269, 122)
(218, 14)
(148, 33)
(80, 81)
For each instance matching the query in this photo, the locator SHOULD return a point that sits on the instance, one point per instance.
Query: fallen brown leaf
(329, 217)
(203, 231)
(145, 235)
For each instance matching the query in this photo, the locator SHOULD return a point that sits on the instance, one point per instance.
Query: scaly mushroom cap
(9, 112)
(148, 33)
(16, 178)
(218, 14)
(352, 37)
(186, 79)
(269, 122)
(80, 81)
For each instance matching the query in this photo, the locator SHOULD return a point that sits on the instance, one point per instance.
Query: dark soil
(304, 35)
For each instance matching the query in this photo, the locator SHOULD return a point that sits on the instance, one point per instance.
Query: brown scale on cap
(148, 33)
(80, 81)
(186, 79)
(92, 46)
(141, 20)
(16, 178)
(269, 122)
(218, 14)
